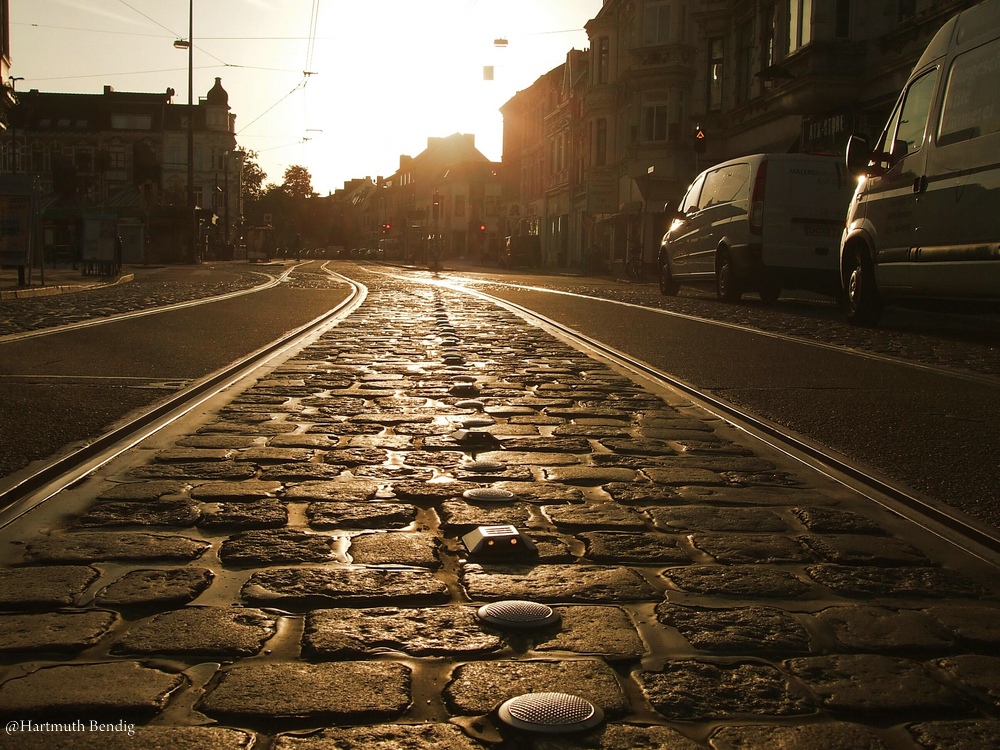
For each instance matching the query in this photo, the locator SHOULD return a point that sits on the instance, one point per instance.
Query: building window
(83, 159)
(799, 23)
(39, 158)
(116, 157)
(715, 58)
(842, 28)
(768, 23)
(603, 59)
(657, 23)
(601, 143)
(121, 121)
(655, 123)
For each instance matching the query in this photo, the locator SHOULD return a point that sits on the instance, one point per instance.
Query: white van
(925, 218)
(763, 223)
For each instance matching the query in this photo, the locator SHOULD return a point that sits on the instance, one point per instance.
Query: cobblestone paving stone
(292, 575)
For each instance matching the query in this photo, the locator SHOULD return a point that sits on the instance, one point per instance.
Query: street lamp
(188, 44)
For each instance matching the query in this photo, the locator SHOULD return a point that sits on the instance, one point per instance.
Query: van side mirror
(671, 212)
(859, 155)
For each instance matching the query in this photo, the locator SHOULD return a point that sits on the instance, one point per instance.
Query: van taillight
(757, 200)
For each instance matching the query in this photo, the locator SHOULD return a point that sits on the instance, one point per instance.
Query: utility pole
(188, 44)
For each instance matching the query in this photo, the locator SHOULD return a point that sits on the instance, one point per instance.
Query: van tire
(668, 286)
(727, 286)
(862, 304)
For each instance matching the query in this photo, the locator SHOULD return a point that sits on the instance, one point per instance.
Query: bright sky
(387, 74)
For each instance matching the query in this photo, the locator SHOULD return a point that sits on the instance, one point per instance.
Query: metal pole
(225, 198)
(192, 218)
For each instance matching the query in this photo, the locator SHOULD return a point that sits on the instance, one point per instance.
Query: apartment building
(669, 87)
(115, 163)
(446, 198)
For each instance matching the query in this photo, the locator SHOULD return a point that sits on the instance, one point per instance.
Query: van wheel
(668, 286)
(862, 303)
(727, 286)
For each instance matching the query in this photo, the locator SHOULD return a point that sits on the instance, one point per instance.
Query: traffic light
(482, 227)
(699, 140)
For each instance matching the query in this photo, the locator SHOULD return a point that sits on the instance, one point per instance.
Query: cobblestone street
(292, 573)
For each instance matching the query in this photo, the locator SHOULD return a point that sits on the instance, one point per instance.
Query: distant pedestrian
(118, 255)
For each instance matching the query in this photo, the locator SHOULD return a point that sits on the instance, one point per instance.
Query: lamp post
(188, 44)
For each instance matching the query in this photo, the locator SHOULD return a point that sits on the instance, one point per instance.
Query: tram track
(20, 495)
(950, 525)
(943, 521)
(272, 282)
(953, 372)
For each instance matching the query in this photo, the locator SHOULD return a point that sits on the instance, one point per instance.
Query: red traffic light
(482, 227)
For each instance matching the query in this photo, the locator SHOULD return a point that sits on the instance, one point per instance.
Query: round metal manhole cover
(484, 467)
(453, 359)
(477, 422)
(488, 494)
(515, 613)
(550, 713)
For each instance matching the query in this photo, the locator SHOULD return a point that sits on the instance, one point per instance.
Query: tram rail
(47, 479)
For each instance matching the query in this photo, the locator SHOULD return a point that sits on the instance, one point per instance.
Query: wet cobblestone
(309, 586)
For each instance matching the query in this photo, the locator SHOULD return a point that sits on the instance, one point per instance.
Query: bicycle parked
(633, 264)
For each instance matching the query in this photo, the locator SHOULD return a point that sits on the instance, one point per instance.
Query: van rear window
(725, 185)
(971, 108)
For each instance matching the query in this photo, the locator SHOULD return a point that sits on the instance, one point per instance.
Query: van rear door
(806, 200)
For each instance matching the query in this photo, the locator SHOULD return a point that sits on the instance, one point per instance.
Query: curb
(49, 291)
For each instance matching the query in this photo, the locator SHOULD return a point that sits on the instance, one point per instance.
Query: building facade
(6, 82)
(120, 158)
(445, 200)
(596, 147)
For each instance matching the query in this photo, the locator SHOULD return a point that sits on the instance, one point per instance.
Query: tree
(253, 178)
(298, 182)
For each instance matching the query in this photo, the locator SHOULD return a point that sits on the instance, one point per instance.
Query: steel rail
(990, 380)
(883, 491)
(61, 472)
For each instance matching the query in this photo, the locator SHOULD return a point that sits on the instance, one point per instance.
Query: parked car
(924, 223)
(764, 223)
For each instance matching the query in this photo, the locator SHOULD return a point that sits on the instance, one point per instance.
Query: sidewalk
(56, 281)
